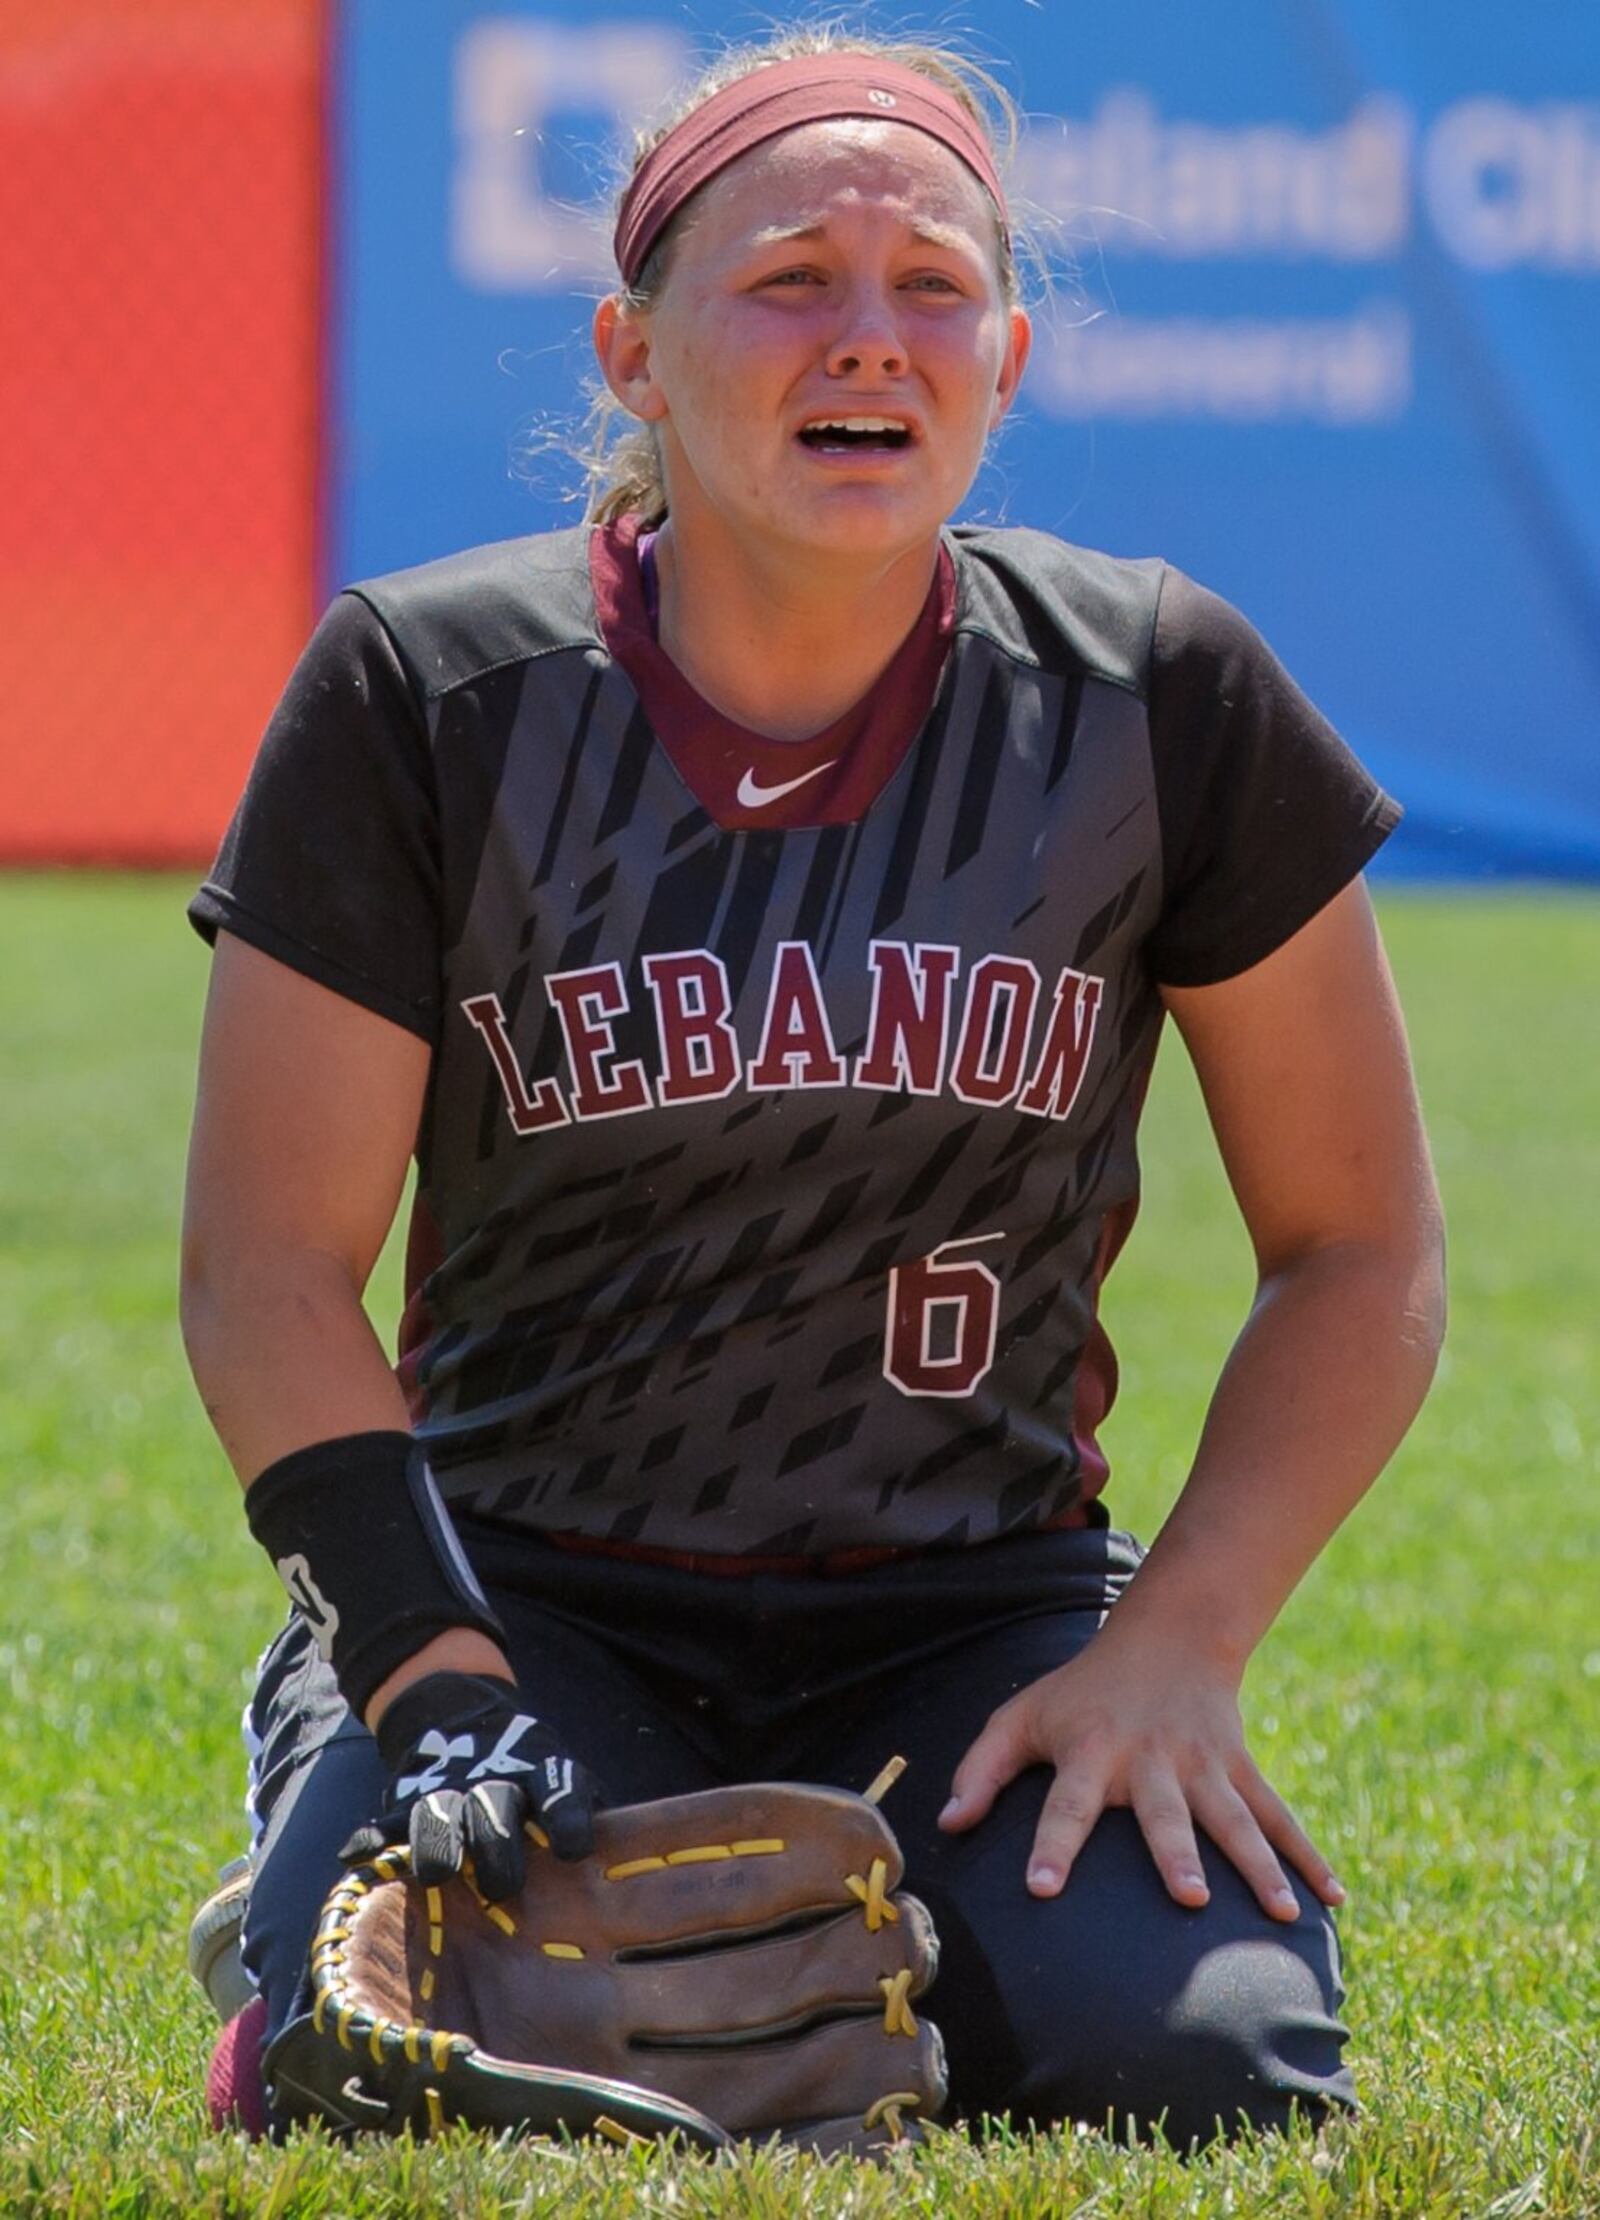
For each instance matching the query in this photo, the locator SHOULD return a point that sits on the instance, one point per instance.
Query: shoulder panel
(457, 618)
(1049, 603)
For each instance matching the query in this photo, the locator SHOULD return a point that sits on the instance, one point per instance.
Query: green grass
(1429, 1700)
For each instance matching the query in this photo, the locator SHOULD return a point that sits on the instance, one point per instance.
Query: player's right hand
(469, 1765)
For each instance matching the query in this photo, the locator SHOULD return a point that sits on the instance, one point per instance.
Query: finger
(1231, 1824)
(367, 1842)
(1281, 1828)
(563, 1801)
(436, 1835)
(996, 1756)
(1077, 1798)
(1167, 1825)
(491, 1827)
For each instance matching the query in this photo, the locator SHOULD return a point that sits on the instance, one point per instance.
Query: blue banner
(1323, 329)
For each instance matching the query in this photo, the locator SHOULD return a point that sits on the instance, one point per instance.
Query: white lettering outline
(1088, 994)
(790, 1058)
(934, 1266)
(723, 1019)
(1016, 1033)
(597, 1023)
(530, 1111)
(915, 955)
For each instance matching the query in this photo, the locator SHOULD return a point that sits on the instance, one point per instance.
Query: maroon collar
(746, 780)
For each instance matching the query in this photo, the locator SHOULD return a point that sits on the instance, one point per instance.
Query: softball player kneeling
(756, 910)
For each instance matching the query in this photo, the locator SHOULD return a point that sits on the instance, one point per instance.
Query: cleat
(214, 1936)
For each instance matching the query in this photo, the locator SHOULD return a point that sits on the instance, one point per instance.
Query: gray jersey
(767, 1177)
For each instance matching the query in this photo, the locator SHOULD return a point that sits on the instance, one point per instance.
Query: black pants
(1108, 2000)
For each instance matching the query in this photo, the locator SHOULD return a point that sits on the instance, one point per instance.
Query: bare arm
(1307, 1080)
(1304, 1068)
(305, 1120)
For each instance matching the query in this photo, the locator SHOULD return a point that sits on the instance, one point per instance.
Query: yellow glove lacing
(887, 2110)
(873, 1892)
(352, 2022)
(896, 1987)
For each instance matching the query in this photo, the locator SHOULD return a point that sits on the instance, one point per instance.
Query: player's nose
(868, 341)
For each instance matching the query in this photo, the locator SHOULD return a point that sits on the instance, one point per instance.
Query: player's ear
(622, 346)
(1019, 344)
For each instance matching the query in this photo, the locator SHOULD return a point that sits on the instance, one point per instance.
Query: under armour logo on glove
(469, 1767)
(457, 1755)
(507, 1758)
(443, 1749)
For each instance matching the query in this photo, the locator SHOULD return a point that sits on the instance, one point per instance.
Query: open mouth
(855, 435)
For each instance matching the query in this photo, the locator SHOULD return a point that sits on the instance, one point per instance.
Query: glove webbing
(327, 1967)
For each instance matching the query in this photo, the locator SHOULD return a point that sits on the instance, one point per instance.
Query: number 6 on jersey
(943, 1316)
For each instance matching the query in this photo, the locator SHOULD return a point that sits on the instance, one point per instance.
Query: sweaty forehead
(818, 169)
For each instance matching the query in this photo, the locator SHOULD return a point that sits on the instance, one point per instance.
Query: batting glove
(468, 1768)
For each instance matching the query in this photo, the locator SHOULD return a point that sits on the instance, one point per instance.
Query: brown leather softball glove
(738, 1963)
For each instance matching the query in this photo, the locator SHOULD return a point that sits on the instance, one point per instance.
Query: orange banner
(160, 247)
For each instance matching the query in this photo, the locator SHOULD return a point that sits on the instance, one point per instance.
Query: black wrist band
(364, 1545)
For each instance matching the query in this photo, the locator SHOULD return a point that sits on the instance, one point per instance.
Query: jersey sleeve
(1265, 813)
(331, 863)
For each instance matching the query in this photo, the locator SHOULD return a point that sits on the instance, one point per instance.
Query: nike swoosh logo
(752, 796)
(357, 2093)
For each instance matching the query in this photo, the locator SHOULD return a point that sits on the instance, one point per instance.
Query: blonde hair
(621, 456)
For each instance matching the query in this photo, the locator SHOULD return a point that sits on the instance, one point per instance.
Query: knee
(1254, 2038)
(1248, 2041)
(1111, 2005)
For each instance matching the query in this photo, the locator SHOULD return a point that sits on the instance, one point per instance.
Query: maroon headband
(776, 97)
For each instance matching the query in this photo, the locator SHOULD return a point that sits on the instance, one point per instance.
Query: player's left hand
(1145, 1723)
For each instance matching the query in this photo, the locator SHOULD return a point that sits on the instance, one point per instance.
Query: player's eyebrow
(924, 235)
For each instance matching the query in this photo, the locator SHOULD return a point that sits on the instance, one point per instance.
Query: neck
(779, 640)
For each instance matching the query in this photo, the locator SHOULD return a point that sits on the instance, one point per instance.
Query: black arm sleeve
(331, 864)
(1265, 813)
